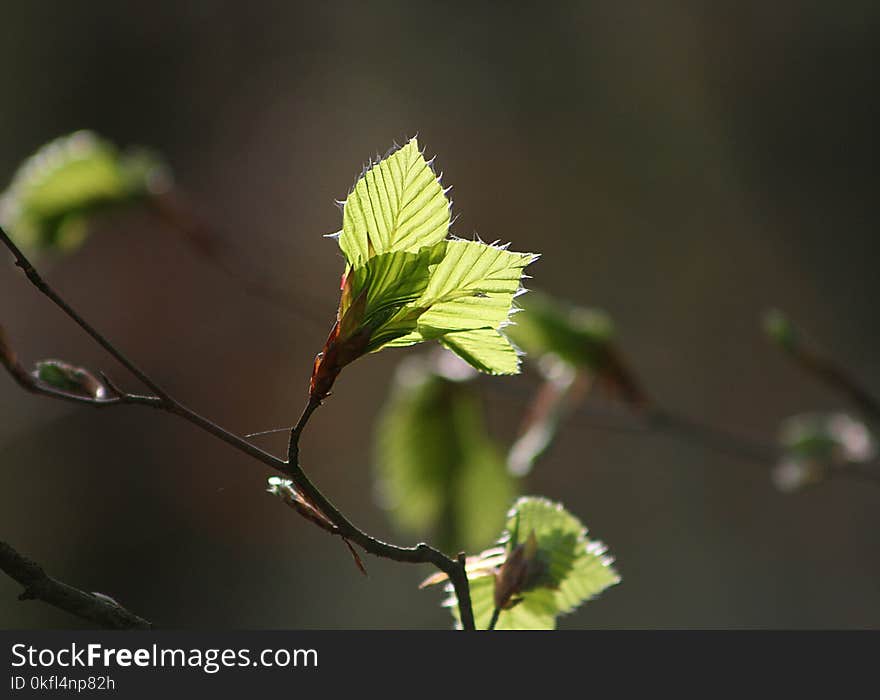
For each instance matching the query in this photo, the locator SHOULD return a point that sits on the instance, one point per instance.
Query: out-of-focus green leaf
(559, 570)
(781, 330)
(398, 204)
(55, 190)
(576, 335)
(573, 349)
(439, 472)
(815, 443)
(582, 338)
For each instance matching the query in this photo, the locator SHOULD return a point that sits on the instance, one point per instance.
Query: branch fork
(312, 504)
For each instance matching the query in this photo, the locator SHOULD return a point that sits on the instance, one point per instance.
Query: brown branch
(810, 358)
(162, 400)
(420, 554)
(177, 214)
(653, 420)
(38, 585)
(664, 422)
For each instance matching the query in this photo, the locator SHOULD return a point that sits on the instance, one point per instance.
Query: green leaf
(383, 290)
(828, 436)
(485, 349)
(574, 350)
(813, 444)
(467, 302)
(398, 204)
(55, 190)
(580, 337)
(781, 330)
(473, 286)
(567, 569)
(406, 283)
(440, 474)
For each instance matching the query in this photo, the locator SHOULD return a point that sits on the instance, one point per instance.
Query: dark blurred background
(682, 165)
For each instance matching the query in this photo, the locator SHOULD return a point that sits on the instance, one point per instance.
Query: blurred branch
(665, 422)
(708, 436)
(815, 362)
(38, 585)
(651, 419)
(838, 378)
(162, 400)
(421, 553)
(177, 213)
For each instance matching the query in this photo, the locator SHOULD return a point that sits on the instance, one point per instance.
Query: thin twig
(708, 436)
(650, 418)
(177, 213)
(494, 621)
(822, 366)
(100, 609)
(653, 420)
(162, 399)
(421, 553)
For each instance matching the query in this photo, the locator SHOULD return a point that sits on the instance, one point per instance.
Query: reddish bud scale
(347, 341)
(337, 353)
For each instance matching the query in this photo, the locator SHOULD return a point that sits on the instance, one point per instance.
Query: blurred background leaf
(59, 187)
(573, 350)
(440, 475)
(578, 336)
(816, 444)
(781, 330)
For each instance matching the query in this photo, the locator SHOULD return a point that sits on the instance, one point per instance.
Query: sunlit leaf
(398, 204)
(381, 294)
(488, 350)
(566, 569)
(55, 190)
(440, 474)
(405, 282)
(468, 300)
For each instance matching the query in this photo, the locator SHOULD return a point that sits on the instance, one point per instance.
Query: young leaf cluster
(544, 566)
(408, 281)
